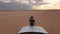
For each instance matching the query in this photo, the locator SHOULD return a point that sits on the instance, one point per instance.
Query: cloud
(34, 5)
(14, 6)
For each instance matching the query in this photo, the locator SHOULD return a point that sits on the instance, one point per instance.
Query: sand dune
(12, 21)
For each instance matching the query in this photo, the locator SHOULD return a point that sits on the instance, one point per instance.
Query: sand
(12, 21)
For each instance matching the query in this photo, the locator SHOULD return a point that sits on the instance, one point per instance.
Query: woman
(32, 21)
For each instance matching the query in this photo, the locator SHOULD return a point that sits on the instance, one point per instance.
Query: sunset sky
(45, 4)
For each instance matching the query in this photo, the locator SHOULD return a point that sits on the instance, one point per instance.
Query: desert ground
(12, 21)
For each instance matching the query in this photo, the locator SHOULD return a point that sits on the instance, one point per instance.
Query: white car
(32, 30)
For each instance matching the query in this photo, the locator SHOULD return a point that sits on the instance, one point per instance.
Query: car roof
(32, 29)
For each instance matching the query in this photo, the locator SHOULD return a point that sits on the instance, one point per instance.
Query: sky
(29, 4)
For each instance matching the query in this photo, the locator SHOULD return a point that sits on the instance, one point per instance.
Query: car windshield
(32, 33)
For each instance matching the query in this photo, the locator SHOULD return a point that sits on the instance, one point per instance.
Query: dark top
(31, 20)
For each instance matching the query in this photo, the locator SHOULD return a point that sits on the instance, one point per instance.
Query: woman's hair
(31, 17)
